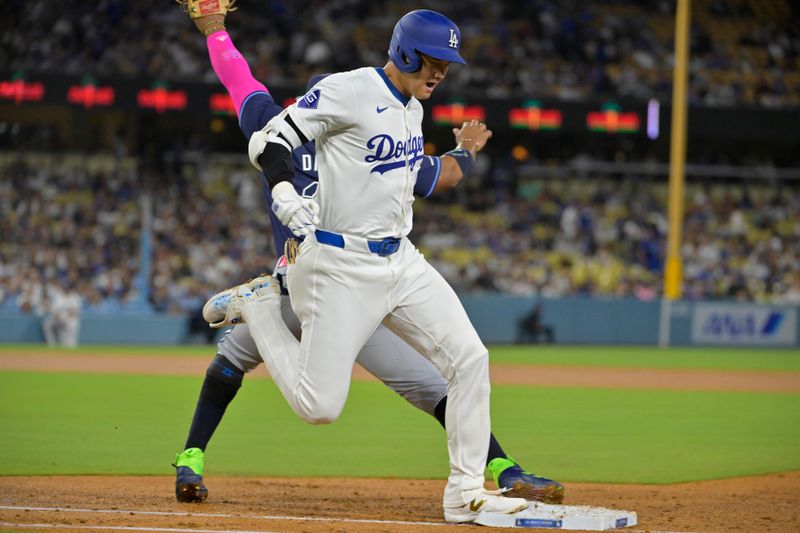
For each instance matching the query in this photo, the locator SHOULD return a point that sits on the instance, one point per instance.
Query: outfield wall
(585, 320)
(574, 320)
(132, 328)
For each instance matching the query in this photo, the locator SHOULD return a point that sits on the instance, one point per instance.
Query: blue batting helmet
(424, 32)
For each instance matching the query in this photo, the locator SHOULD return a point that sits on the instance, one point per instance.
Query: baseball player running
(385, 355)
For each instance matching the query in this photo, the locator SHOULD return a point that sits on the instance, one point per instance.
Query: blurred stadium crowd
(743, 51)
(72, 221)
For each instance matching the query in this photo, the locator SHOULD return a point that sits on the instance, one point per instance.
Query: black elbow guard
(277, 163)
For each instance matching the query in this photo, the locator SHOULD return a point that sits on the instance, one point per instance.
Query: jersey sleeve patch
(310, 100)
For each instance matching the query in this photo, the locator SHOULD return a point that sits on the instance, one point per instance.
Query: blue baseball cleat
(189, 485)
(518, 483)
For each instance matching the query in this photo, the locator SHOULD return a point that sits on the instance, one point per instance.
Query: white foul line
(128, 528)
(220, 515)
(193, 530)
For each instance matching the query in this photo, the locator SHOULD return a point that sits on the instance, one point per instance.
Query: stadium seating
(79, 219)
(743, 51)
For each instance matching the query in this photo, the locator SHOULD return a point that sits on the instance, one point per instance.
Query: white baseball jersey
(369, 146)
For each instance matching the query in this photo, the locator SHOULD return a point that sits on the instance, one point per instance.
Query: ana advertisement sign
(733, 324)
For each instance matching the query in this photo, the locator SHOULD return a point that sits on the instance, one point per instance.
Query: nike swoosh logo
(380, 109)
(474, 507)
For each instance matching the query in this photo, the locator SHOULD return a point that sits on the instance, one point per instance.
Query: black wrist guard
(464, 159)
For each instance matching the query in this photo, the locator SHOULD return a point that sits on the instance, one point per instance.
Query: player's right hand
(472, 136)
(301, 215)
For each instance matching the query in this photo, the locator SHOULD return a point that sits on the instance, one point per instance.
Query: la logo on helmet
(453, 39)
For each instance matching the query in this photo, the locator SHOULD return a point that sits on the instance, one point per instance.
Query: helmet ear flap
(405, 59)
(415, 61)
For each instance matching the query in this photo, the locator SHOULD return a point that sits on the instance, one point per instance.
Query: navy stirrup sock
(222, 382)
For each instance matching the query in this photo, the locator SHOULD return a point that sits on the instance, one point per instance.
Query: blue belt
(383, 247)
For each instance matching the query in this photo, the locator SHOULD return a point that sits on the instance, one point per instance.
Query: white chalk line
(128, 528)
(220, 515)
(194, 530)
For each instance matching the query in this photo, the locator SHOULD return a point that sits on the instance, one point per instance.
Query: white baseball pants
(385, 355)
(340, 297)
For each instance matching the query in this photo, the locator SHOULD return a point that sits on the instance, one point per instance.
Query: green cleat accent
(189, 485)
(191, 457)
(519, 483)
(497, 465)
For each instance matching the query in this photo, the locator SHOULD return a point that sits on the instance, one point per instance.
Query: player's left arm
(252, 101)
(448, 170)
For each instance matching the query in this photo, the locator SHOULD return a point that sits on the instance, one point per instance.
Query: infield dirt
(754, 504)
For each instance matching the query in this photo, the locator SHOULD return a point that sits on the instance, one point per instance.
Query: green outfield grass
(596, 356)
(118, 424)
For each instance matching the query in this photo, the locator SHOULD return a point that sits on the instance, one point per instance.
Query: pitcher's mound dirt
(754, 504)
